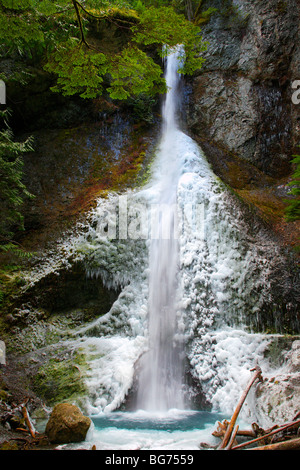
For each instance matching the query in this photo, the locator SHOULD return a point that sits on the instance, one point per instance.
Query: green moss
(203, 17)
(61, 379)
(9, 445)
(4, 395)
(124, 14)
(270, 207)
(11, 281)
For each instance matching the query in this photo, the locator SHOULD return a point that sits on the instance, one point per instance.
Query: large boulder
(67, 424)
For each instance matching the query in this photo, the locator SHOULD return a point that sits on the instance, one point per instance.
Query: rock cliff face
(241, 108)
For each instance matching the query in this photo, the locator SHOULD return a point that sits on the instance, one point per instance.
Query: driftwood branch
(28, 422)
(227, 431)
(232, 438)
(221, 429)
(276, 431)
(246, 433)
(292, 444)
(230, 427)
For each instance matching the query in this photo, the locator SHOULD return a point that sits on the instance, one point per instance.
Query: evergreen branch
(8, 241)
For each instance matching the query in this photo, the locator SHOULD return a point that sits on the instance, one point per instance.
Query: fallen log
(260, 431)
(221, 429)
(232, 438)
(22, 430)
(272, 433)
(28, 422)
(228, 432)
(293, 444)
(246, 433)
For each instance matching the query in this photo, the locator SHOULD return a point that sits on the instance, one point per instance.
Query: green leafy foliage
(12, 194)
(142, 107)
(14, 249)
(61, 32)
(47, 8)
(18, 24)
(79, 71)
(134, 73)
(12, 188)
(16, 4)
(163, 26)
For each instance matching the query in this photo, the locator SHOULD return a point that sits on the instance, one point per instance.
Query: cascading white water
(188, 288)
(192, 290)
(160, 380)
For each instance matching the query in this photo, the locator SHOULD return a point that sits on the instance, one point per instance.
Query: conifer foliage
(63, 33)
(12, 188)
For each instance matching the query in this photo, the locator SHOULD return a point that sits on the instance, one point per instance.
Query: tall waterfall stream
(191, 274)
(160, 381)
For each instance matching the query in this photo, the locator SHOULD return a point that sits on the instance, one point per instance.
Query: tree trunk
(293, 444)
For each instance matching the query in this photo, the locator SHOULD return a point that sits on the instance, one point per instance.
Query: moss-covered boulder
(67, 424)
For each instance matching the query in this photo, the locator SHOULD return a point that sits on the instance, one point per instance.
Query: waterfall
(160, 381)
(194, 276)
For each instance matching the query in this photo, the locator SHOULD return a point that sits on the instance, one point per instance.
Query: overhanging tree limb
(106, 16)
(79, 20)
